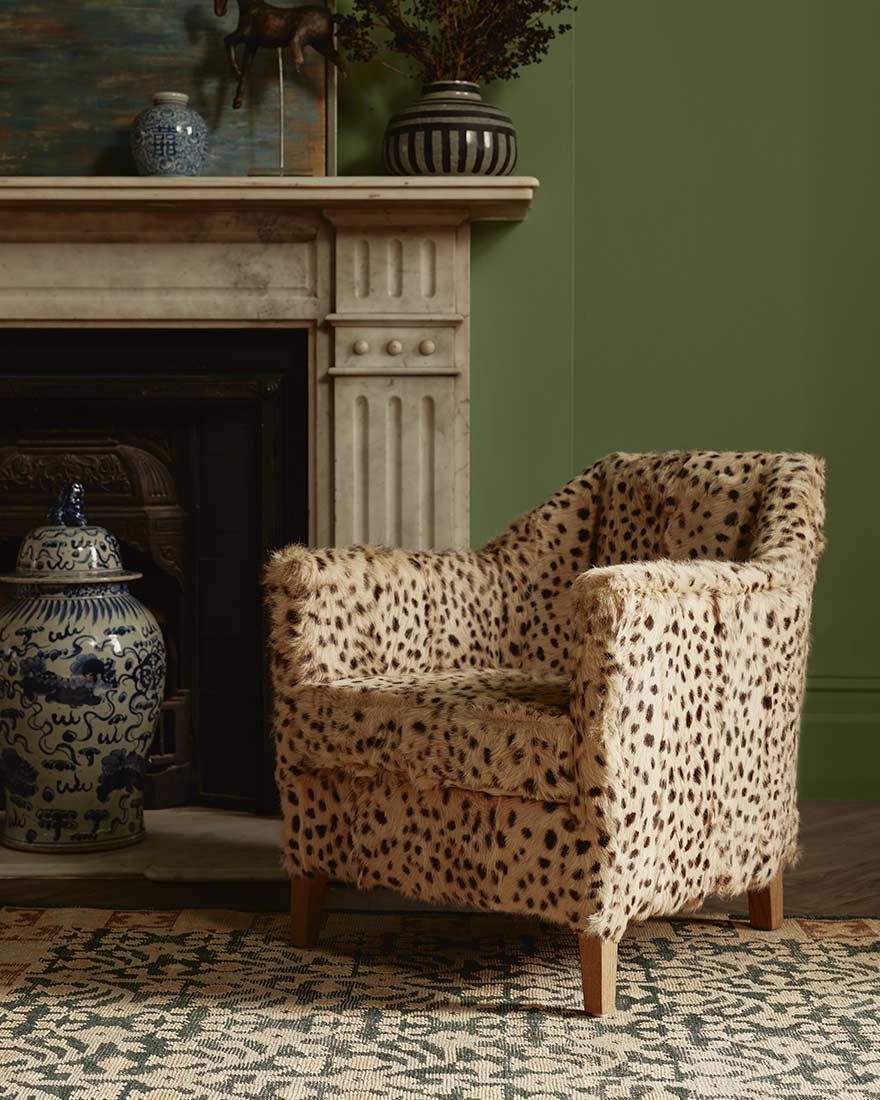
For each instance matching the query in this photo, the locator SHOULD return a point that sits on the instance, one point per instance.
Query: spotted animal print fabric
(593, 718)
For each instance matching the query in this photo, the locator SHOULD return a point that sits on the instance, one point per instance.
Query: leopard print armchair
(593, 719)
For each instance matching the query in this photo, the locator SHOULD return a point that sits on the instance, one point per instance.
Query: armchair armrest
(680, 578)
(365, 611)
(686, 701)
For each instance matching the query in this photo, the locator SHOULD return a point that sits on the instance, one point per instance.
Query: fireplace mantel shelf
(476, 198)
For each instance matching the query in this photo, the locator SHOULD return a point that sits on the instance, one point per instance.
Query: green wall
(700, 269)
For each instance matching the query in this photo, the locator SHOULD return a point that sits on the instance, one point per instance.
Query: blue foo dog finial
(69, 509)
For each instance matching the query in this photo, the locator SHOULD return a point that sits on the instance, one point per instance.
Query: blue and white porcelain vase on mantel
(82, 676)
(169, 138)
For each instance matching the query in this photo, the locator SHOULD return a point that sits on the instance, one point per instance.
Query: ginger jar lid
(69, 550)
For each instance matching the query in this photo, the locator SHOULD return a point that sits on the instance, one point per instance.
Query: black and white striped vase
(450, 131)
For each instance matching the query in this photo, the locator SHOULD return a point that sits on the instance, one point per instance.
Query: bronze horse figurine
(261, 25)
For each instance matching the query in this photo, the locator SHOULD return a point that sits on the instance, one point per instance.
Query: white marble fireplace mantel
(376, 268)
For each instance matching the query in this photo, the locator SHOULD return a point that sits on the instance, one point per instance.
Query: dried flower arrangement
(475, 40)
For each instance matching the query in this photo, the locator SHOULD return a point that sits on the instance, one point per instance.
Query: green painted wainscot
(699, 269)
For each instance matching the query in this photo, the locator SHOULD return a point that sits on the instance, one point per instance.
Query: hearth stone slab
(192, 844)
(186, 844)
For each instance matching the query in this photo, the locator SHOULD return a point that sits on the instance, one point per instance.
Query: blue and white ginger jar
(82, 677)
(169, 138)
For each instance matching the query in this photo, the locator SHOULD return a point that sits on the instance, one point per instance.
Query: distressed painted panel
(73, 76)
(159, 282)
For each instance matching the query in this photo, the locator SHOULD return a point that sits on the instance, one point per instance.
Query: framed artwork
(73, 77)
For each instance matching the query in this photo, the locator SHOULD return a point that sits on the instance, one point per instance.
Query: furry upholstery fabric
(594, 718)
(504, 731)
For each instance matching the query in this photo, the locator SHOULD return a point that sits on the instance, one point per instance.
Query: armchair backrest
(681, 505)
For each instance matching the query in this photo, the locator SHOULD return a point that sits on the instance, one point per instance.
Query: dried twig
(479, 40)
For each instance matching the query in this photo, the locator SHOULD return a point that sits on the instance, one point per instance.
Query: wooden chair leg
(765, 906)
(599, 974)
(306, 903)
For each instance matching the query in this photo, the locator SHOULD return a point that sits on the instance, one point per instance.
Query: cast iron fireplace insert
(192, 446)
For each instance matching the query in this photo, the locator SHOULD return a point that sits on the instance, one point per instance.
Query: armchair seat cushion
(497, 730)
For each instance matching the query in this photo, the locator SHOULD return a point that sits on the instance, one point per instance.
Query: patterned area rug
(199, 1005)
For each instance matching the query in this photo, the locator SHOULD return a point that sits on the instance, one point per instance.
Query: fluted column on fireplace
(400, 379)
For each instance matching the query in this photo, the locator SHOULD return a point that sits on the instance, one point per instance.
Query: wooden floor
(838, 875)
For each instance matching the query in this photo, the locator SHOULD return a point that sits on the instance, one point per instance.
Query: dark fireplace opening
(193, 449)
